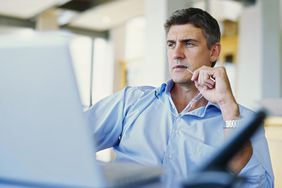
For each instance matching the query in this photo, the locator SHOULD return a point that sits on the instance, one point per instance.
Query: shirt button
(177, 121)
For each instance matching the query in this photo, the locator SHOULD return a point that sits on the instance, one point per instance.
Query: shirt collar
(169, 86)
(164, 88)
(199, 112)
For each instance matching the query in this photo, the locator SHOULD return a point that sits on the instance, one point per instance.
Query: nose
(178, 52)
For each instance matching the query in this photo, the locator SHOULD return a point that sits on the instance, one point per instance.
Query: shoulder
(133, 94)
(122, 99)
(245, 112)
(138, 90)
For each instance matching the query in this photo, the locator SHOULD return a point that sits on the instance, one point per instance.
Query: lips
(180, 67)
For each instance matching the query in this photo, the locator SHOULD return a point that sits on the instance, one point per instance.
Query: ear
(214, 52)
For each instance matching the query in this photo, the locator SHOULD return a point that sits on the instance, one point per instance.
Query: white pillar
(48, 20)
(155, 66)
(259, 60)
(117, 40)
(271, 49)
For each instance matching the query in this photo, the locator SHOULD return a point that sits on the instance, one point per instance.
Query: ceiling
(26, 9)
(95, 15)
(109, 15)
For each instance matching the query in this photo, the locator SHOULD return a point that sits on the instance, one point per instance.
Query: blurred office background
(122, 42)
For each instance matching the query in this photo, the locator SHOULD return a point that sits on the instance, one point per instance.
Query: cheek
(169, 66)
(169, 59)
(198, 59)
(200, 55)
(169, 54)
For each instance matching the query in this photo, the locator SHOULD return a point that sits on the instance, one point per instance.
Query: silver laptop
(44, 138)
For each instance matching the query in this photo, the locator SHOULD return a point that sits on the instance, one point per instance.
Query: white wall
(134, 51)
(154, 64)
(117, 42)
(249, 77)
(81, 55)
(103, 70)
(259, 57)
(156, 12)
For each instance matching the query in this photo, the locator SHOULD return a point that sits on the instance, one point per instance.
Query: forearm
(239, 161)
(230, 111)
(257, 174)
(252, 161)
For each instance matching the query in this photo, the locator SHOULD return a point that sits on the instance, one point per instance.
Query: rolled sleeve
(106, 116)
(105, 119)
(258, 170)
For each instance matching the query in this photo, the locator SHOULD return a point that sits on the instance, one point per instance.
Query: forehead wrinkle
(184, 32)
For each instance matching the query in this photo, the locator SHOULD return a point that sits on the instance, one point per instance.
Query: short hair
(200, 19)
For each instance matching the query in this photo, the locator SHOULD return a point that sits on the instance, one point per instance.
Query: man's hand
(214, 85)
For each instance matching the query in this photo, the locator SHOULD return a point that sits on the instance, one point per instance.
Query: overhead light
(66, 16)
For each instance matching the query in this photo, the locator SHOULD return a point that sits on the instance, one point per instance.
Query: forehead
(185, 31)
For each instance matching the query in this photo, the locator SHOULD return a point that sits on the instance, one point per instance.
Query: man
(181, 123)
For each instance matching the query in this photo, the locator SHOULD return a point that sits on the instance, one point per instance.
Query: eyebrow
(184, 40)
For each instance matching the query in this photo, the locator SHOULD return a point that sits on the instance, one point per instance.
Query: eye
(189, 44)
(170, 44)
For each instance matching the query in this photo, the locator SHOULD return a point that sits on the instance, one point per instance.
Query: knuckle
(222, 69)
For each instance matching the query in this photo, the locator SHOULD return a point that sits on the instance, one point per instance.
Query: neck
(182, 94)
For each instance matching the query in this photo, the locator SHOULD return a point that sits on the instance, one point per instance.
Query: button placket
(177, 126)
(171, 150)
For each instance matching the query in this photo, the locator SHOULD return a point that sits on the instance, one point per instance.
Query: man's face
(187, 44)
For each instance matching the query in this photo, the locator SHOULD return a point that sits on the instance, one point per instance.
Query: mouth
(180, 67)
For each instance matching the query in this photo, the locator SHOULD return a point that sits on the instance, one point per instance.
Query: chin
(181, 80)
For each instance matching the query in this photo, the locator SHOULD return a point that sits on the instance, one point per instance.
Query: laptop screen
(44, 137)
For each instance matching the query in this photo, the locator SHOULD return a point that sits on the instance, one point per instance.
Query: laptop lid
(44, 138)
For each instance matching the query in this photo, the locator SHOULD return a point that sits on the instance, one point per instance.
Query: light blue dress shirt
(143, 126)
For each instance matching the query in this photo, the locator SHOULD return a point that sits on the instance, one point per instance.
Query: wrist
(231, 124)
(230, 110)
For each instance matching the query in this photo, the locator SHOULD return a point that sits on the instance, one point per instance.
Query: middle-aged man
(181, 123)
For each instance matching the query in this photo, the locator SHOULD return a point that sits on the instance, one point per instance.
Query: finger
(206, 77)
(209, 86)
(210, 81)
(198, 86)
(200, 78)
(195, 75)
(201, 87)
(203, 77)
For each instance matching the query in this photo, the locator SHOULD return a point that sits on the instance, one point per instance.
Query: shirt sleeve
(106, 117)
(258, 171)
